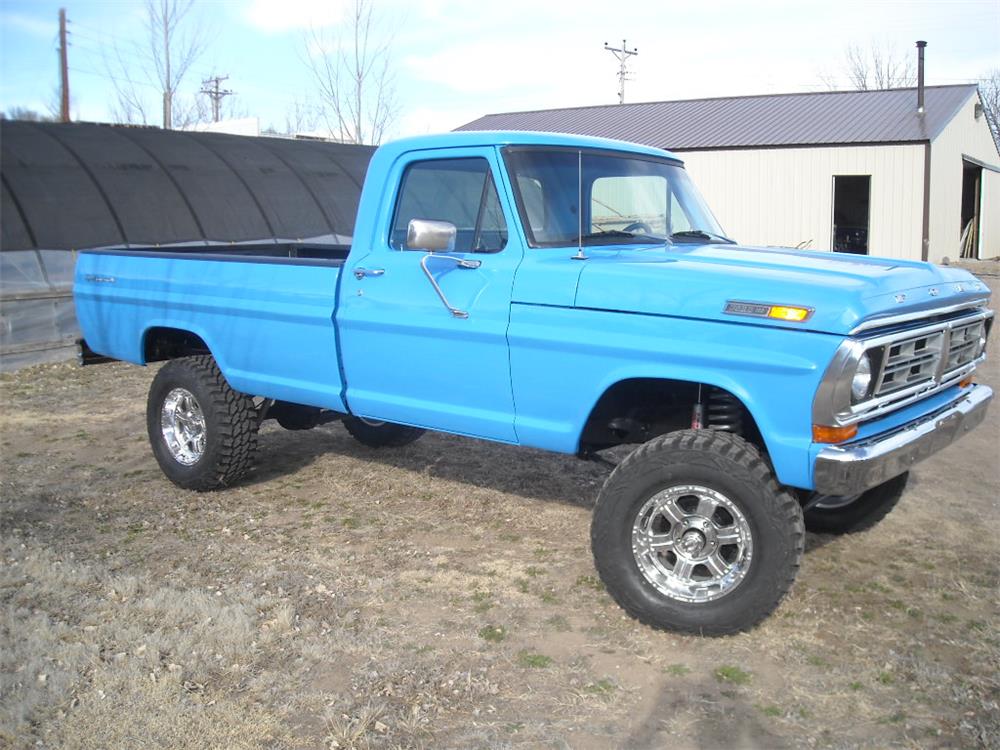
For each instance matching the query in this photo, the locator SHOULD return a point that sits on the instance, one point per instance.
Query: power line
(622, 54)
(212, 90)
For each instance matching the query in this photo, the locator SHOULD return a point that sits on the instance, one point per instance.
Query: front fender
(564, 359)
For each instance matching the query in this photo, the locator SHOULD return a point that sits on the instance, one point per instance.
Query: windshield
(627, 199)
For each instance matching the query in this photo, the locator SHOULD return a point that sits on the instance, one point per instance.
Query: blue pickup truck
(570, 294)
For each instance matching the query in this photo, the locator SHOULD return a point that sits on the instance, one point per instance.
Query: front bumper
(856, 467)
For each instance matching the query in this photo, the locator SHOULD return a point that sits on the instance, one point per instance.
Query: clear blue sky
(457, 60)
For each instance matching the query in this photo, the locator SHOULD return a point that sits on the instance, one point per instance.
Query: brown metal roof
(809, 119)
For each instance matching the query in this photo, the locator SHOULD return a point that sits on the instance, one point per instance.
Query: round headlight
(862, 379)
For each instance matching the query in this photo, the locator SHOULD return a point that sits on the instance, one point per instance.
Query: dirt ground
(443, 596)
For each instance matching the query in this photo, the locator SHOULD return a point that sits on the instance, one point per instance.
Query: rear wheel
(202, 432)
(377, 434)
(847, 514)
(693, 533)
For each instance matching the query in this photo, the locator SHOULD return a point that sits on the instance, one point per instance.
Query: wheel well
(171, 343)
(639, 409)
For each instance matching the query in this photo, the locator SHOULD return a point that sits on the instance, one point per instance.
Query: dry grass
(442, 596)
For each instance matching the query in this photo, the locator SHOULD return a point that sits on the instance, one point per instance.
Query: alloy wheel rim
(182, 423)
(692, 543)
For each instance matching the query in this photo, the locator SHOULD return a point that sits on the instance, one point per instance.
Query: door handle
(360, 273)
(459, 263)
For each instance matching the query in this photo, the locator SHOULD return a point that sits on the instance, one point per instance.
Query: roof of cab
(472, 139)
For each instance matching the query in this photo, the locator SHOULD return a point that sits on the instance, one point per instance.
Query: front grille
(910, 362)
(910, 365)
(965, 344)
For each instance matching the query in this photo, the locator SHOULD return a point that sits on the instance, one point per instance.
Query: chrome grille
(965, 344)
(910, 362)
(910, 365)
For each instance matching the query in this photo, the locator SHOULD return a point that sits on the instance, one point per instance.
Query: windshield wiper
(618, 234)
(701, 234)
(608, 234)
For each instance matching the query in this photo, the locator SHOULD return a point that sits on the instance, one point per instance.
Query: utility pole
(622, 54)
(168, 84)
(63, 69)
(212, 90)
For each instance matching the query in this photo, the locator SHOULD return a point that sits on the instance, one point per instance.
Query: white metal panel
(965, 134)
(989, 222)
(785, 196)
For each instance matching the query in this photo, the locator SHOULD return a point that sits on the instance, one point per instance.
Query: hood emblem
(900, 299)
(959, 288)
(934, 291)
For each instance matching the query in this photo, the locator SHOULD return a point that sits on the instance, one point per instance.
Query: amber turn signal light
(791, 314)
(824, 434)
(965, 381)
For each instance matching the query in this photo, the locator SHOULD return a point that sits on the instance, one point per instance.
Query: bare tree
(27, 114)
(878, 67)
(354, 74)
(989, 92)
(141, 71)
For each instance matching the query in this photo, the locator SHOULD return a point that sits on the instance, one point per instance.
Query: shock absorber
(724, 412)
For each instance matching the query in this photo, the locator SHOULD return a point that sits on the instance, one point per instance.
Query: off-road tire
(862, 514)
(231, 425)
(381, 434)
(724, 463)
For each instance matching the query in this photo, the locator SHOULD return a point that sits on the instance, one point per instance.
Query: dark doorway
(972, 185)
(851, 200)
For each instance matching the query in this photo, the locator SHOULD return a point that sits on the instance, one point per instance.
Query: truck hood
(697, 281)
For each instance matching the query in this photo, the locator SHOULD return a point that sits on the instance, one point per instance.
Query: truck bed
(266, 312)
(265, 252)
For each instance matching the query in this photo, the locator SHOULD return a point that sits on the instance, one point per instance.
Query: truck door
(424, 336)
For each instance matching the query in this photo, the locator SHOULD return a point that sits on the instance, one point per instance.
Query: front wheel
(203, 433)
(848, 514)
(692, 533)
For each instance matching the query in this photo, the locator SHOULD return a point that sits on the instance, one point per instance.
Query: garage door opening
(972, 187)
(851, 201)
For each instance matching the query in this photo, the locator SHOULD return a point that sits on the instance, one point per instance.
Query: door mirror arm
(460, 263)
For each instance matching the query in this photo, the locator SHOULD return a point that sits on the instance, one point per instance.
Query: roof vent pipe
(920, 77)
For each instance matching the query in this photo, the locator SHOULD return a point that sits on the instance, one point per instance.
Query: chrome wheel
(692, 544)
(371, 422)
(182, 423)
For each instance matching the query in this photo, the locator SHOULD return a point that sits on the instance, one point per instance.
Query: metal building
(859, 171)
(69, 187)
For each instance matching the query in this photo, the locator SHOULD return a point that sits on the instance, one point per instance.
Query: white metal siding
(785, 196)
(989, 243)
(970, 136)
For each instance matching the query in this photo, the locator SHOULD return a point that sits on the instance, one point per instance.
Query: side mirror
(424, 234)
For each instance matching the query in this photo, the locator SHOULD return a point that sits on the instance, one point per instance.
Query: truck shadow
(524, 472)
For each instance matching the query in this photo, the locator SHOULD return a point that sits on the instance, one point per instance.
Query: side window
(460, 191)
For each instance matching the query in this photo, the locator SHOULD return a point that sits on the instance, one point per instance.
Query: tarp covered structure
(69, 187)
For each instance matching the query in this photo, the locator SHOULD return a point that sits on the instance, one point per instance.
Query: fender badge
(900, 298)
(933, 291)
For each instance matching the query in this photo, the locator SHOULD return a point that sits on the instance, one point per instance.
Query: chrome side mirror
(424, 234)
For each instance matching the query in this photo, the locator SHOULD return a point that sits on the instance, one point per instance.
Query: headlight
(862, 380)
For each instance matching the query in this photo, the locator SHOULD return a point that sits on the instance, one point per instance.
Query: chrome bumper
(853, 468)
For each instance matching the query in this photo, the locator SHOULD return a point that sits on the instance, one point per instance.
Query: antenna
(579, 207)
(622, 54)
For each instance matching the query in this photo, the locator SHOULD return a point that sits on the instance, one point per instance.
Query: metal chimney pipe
(920, 76)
